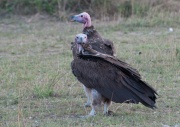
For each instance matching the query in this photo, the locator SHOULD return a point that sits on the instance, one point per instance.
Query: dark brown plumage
(113, 79)
(98, 43)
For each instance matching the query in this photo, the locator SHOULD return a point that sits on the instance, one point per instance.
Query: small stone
(170, 29)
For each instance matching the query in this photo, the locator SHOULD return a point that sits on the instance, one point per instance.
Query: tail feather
(146, 94)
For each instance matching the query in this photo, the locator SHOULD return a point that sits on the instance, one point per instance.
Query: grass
(37, 87)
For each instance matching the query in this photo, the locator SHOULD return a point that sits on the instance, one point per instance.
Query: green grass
(37, 87)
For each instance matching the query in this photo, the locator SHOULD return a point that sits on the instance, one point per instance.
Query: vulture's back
(98, 43)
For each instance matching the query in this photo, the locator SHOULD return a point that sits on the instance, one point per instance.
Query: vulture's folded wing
(112, 82)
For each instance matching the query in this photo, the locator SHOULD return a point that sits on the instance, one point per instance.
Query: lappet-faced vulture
(96, 41)
(109, 78)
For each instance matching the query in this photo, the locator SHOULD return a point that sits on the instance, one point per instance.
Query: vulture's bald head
(82, 18)
(80, 39)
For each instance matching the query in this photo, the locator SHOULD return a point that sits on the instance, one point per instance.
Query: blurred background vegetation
(101, 9)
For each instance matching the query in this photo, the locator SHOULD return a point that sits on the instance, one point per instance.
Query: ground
(37, 87)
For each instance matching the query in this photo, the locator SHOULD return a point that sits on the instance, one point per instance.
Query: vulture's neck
(89, 31)
(88, 23)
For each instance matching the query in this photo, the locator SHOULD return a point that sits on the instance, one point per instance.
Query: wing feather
(111, 81)
(98, 43)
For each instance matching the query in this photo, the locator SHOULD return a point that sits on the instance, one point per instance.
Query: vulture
(96, 41)
(109, 78)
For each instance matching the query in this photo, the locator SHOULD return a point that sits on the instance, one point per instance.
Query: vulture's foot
(87, 104)
(92, 113)
(108, 113)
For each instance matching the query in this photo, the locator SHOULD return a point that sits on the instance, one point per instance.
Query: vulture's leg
(107, 103)
(88, 95)
(92, 112)
(96, 102)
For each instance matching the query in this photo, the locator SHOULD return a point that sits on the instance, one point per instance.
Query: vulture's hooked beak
(80, 41)
(76, 18)
(73, 18)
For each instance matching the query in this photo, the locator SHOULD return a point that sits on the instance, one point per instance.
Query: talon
(109, 113)
(92, 113)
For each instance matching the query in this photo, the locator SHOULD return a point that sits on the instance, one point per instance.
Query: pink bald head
(82, 18)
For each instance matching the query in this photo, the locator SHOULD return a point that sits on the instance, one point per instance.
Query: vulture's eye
(77, 37)
(81, 15)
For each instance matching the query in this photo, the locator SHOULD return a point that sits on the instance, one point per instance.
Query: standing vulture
(109, 78)
(96, 41)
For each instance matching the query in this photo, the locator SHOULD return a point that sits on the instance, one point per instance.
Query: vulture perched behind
(96, 41)
(109, 78)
